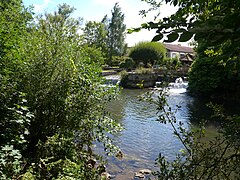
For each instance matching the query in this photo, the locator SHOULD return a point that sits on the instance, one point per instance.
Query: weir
(112, 80)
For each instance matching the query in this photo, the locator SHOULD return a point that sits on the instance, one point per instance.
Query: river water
(143, 138)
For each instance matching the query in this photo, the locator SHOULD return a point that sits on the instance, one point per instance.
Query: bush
(124, 77)
(172, 63)
(205, 76)
(148, 52)
(51, 99)
(216, 158)
(117, 60)
(128, 63)
(142, 70)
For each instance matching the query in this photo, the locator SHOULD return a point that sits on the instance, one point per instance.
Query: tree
(14, 114)
(52, 101)
(215, 24)
(116, 33)
(95, 35)
(63, 89)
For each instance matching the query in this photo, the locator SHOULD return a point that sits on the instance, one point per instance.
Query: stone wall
(133, 79)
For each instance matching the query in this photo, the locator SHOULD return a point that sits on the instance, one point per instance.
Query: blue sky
(95, 10)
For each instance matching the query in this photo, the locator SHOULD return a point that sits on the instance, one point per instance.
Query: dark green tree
(14, 114)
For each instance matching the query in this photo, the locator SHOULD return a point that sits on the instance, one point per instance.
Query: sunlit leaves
(129, 31)
(62, 94)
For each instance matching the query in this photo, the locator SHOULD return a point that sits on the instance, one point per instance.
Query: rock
(106, 175)
(139, 175)
(101, 169)
(91, 162)
(145, 171)
(119, 155)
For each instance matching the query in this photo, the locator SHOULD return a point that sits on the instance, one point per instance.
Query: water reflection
(143, 137)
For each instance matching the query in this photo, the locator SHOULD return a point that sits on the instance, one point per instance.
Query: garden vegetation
(51, 101)
(148, 53)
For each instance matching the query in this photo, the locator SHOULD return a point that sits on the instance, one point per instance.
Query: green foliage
(47, 132)
(108, 36)
(63, 87)
(118, 60)
(210, 74)
(96, 55)
(14, 113)
(214, 25)
(128, 63)
(148, 52)
(200, 19)
(14, 131)
(217, 158)
(172, 63)
(142, 70)
(10, 162)
(205, 76)
(95, 35)
(124, 77)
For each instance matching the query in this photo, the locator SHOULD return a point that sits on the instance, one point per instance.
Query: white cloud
(41, 7)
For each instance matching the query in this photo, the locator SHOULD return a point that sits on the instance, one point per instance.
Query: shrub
(205, 76)
(117, 60)
(124, 78)
(48, 130)
(142, 70)
(128, 63)
(217, 158)
(172, 63)
(148, 52)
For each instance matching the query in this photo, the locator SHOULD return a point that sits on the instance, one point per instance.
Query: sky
(95, 10)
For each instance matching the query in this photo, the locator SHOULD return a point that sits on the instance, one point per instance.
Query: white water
(112, 80)
(177, 87)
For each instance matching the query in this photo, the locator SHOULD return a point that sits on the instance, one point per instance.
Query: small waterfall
(112, 80)
(179, 86)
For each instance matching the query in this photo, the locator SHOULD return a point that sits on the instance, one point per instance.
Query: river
(143, 138)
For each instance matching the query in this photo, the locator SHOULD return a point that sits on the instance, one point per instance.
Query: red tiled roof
(178, 48)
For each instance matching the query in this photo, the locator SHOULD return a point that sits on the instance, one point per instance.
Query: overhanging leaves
(172, 37)
(185, 36)
(158, 37)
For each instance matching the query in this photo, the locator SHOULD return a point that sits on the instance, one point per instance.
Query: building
(183, 53)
